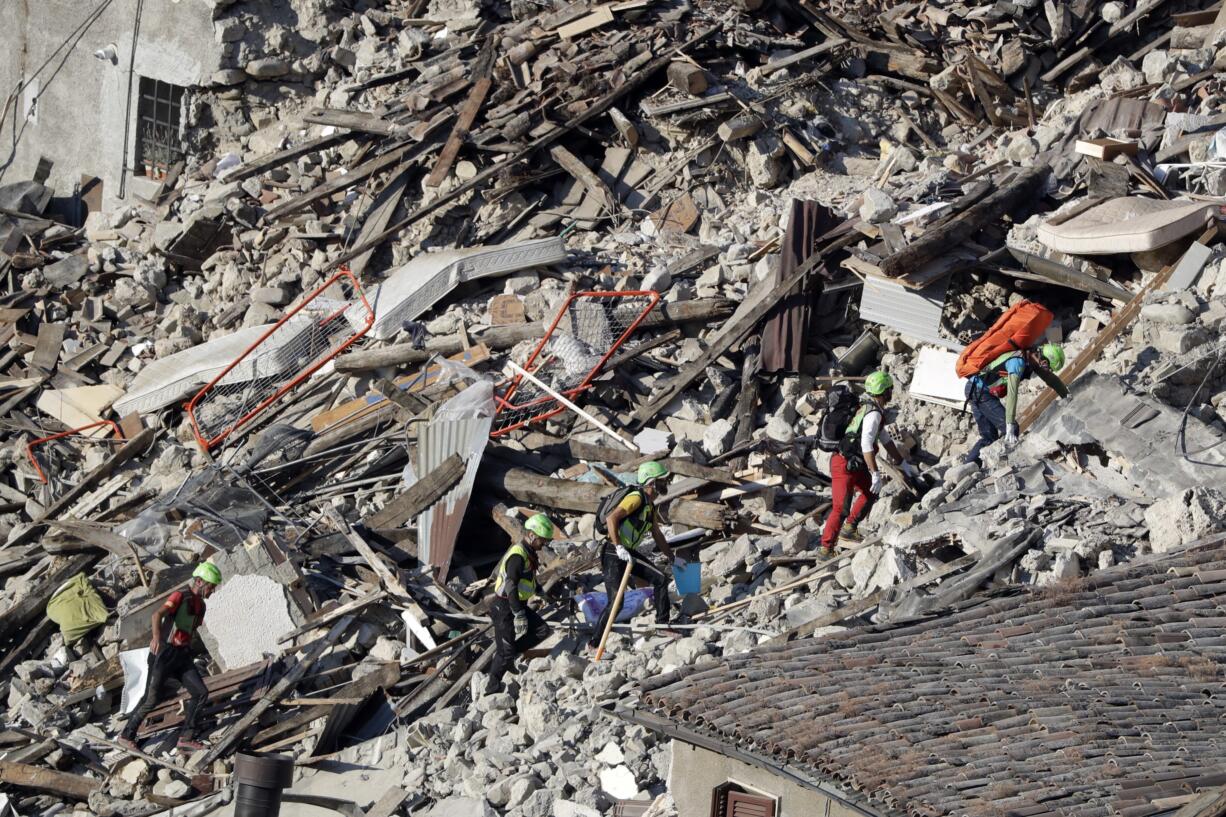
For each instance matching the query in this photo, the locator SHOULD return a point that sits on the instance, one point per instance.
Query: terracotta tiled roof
(1101, 697)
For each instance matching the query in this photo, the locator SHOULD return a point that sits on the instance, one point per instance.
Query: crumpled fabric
(77, 608)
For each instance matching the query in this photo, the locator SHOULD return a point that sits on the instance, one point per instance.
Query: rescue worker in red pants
(517, 628)
(854, 475)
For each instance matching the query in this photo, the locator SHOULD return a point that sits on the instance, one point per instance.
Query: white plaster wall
(85, 105)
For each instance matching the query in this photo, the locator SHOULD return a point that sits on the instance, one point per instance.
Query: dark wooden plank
(419, 496)
(273, 160)
(468, 115)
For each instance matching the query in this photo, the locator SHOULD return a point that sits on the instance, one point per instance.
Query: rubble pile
(433, 267)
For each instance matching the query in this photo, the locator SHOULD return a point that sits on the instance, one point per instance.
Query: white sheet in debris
(936, 379)
(135, 664)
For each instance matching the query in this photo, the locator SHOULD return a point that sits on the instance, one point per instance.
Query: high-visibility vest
(867, 406)
(527, 586)
(635, 526)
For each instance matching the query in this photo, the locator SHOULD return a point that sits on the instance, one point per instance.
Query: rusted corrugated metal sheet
(461, 426)
(786, 333)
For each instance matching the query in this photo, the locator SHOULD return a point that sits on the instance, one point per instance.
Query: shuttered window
(741, 804)
(730, 800)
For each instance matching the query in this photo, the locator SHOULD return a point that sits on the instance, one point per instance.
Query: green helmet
(207, 571)
(878, 383)
(652, 470)
(540, 525)
(1054, 354)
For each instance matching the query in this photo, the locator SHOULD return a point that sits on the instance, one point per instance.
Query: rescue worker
(626, 525)
(517, 627)
(1002, 377)
(171, 657)
(854, 469)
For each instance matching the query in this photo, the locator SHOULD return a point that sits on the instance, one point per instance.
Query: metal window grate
(158, 115)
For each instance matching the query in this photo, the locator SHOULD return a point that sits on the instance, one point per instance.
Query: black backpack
(612, 500)
(841, 406)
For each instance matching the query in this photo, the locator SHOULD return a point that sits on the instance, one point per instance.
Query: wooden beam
(1025, 186)
(1122, 319)
(857, 606)
(753, 309)
(333, 614)
(528, 486)
(801, 56)
(583, 174)
(390, 580)
(265, 163)
(504, 337)
(468, 115)
(1210, 803)
(354, 120)
(419, 496)
(381, 212)
(60, 784)
(359, 174)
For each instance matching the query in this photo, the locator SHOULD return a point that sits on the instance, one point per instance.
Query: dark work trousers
(613, 568)
(506, 645)
(989, 415)
(846, 485)
(171, 662)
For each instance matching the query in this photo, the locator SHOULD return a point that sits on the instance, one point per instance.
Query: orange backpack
(1021, 327)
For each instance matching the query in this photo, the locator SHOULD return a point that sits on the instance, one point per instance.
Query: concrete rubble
(385, 204)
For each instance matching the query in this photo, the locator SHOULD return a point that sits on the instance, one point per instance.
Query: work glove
(623, 554)
(908, 468)
(875, 488)
(679, 563)
(521, 625)
(1011, 435)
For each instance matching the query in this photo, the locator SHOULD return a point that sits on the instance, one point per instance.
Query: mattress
(1126, 224)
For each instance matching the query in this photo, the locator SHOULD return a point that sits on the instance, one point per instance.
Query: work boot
(827, 552)
(848, 533)
(189, 745)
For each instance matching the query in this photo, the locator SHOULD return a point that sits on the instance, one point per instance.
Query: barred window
(159, 112)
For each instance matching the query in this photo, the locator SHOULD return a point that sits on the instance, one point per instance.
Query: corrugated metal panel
(461, 426)
(914, 312)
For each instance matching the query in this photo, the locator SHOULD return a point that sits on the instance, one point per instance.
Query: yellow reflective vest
(527, 580)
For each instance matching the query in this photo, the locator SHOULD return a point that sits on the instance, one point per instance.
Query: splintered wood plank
(353, 120)
(627, 189)
(601, 16)
(47, 348)
(60, 784)
(411, 383)
(419, 496)
(468, 115)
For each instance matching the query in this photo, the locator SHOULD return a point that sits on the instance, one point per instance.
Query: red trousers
(844, 484)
